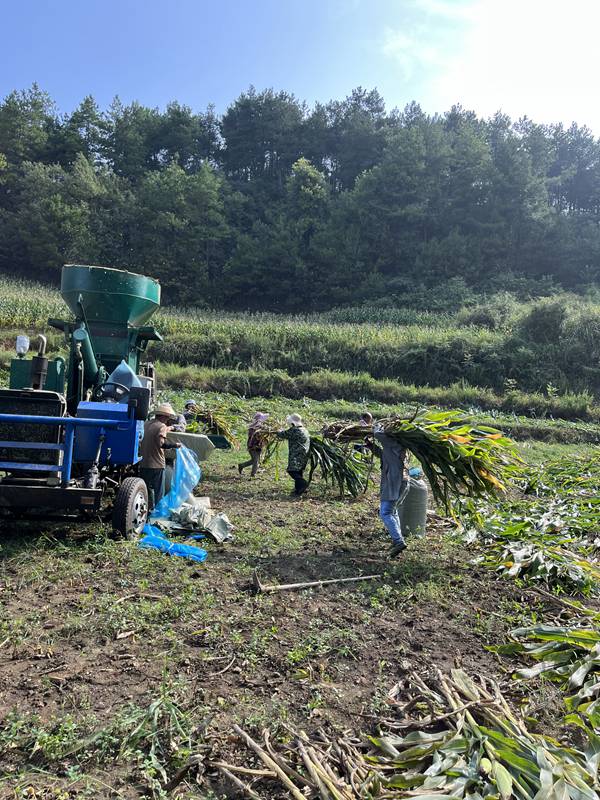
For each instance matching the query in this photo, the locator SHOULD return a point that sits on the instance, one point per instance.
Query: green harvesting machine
(70, 428)
(110, 309)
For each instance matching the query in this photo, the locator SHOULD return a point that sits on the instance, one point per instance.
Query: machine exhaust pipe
(39, 365)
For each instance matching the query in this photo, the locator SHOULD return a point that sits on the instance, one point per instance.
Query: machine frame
(92, 448)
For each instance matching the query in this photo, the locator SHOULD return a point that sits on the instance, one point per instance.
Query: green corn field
(539, 348)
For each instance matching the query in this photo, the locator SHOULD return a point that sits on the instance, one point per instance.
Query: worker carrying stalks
(190, 410)
(393, 488)
(298, 440)
(255, 443)
(152, 450)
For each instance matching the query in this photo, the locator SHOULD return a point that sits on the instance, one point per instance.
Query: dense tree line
(274, 205)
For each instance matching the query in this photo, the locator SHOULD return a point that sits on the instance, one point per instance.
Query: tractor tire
(130, 511)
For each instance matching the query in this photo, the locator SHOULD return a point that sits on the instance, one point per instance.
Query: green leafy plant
(568, 656)
(338, 466)
(214, 422)
(546, 531)
(551, 560)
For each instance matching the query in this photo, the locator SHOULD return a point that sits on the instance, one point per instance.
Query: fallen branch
(257, 773)
(240, 784)
(221, 671)
(181, 773)
(52, 669)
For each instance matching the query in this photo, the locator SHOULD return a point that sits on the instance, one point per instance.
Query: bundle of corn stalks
(457, 457)
(452, 739)
(212, 422)
(337, 465)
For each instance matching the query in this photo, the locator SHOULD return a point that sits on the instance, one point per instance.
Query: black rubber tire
(130, 511)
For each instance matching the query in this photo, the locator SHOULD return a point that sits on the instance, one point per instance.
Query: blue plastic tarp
(155, 539)
(186, 476)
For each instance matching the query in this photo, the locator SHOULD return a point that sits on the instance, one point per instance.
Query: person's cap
(260, 416)
(294, 419)
(190, 403)
(165, 410)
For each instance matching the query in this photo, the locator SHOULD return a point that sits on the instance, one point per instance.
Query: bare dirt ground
(92, 630)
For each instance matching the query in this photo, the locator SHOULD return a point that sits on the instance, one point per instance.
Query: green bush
(496, 313)
(543, 321)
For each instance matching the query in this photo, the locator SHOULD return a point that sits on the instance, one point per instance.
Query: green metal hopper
(106, 295)
(111, 307)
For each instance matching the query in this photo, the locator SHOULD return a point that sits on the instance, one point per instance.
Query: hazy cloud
(538, 58)
(410, 50)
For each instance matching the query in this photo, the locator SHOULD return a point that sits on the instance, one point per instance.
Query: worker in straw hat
(152, 451)
(298, 440)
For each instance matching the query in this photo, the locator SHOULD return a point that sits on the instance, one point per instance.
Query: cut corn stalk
(543, 559)
(569, 657)
(212, 422)
(337, 465)
(548, 534)
(457, 457)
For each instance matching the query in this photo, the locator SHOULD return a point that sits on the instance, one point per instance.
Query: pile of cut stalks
(452, 738)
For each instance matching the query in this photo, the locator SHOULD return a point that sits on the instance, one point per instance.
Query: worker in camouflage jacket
(298, 440)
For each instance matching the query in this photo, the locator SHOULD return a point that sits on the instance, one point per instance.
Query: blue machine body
(121, 443)
(115, 421)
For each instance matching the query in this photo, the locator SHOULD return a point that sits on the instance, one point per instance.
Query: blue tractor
(70, 428)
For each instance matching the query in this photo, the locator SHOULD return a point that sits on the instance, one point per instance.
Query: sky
(535, 58)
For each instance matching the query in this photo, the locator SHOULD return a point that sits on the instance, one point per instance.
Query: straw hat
(165, 410)
(294, 419)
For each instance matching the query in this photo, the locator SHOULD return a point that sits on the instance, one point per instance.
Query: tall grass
(328, 385)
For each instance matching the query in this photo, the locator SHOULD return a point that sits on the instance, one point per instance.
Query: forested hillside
(278, 206)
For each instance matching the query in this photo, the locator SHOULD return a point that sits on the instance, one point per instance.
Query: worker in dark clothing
(254, 444)
(190, 410)
(394, 485)
(298, 440)
(152, 450)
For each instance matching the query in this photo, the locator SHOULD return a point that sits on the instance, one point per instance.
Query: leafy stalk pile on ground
(457, 457)
(549, 531)
(557, 560)
(451, 738)
(568, 656)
